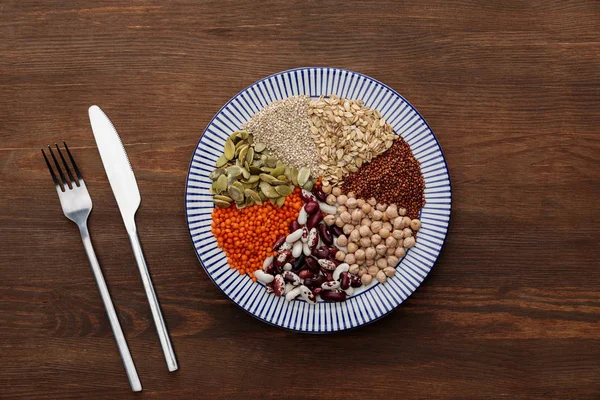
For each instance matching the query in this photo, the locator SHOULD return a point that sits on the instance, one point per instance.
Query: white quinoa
(283, 126)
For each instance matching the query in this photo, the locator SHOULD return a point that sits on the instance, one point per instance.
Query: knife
(125, 188)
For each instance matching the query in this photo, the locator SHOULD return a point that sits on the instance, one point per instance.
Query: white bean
(292, 294)
(268, 261)
(263, 277)
(327, 208)
(302, 216)
(294, 236)
(306, 249)
(344, 267)
(297, 249)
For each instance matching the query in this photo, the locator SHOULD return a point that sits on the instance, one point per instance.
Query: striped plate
(367, 305)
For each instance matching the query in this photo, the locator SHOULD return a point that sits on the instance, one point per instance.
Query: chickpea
(365, 242)
(340, 255)
(406, 221)
(382, 263)
(341, 199)
(381, 207)
(345, 216)
(376, 226)
(351, 202)
(372, 201)
(400, 252)
(415, 225)
(360, 255)
(390, 251)
(375, 239)
(366, 222)
(381, 277)
(357, 216)
(366, 279)
(370, 263)
(370, 253)
(331, 199)
(377, 215)
(402, 211)
(388, 226)
(391, 242)
(326, 188)
(384, 233)
(389, 271)
(341, 209)
(351, 195)
(352, 247)
(373, 270)
(360, 202)
(365, 231)
(392, 261)
(354, 236)
(348, 228)
(407, 232)
(381, 249)
(366, 208)
(329, 219)
(398, 223)
(336, 191)
(340, 222)
(385, 217)
(342, 241)
(361, 271)
(409, 242)
(392, 211)
(353, 269)
(350, 259)
(397, 234)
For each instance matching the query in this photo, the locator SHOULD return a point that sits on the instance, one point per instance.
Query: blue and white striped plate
(367, 305)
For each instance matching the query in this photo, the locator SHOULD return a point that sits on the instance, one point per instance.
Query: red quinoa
(393, 177)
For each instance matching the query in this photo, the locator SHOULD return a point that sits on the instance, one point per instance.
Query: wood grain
(512, 91)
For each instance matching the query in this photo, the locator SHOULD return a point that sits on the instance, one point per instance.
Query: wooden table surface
(512, 91)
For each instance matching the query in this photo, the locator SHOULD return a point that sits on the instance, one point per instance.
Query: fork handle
(134, 380)
(159, 322)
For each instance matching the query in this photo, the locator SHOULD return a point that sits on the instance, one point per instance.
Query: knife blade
(126, 191)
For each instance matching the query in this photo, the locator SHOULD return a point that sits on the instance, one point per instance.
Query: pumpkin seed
(221, 203)
(268, 190)
(249, 201)
(216, 173)
(308, 185)
(221, 161)
(294, 175)
(262, 196)
(303, 176)
(281, 201)
(229, 149)
(242, 153)
(267, 178)
(222, 197)
(254, 170)
(278, 171)
(235, 137)
(245, 173)
(243, 134)
(238, 185)
(236, 194)
(284, 190)
(234, 170)
(273, 201)
(220, 184)
(271, 162)
(253, 195)
(278, 182)
(240, 205)
(259, 146)
(282, 178)
(250, 139)
(252, 179)
(249, 155)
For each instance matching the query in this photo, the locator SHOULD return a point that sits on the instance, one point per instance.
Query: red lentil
(393, 177)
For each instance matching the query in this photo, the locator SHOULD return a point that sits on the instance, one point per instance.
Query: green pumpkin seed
(221, 203)
(243, 134)
(262, 196)
(308, 185)
(238, 185)
(271, 162)
(221, 161)
(254, 170)
(253, 195)
(239, 206)
(281, 201)
(252, 179)
(242, 153)
(294, 175)
(273, 201)
(216, 173)
(229, 149)
(267, 178)
(303, 176)
(234, 170)
(250, 139)
(249, 155)
(278, 171)
(278, 182)
(220, 184)
(222, 198)
(236, 194)
(282, 178)
(268, 190)
(245, 173)
(259, 147)
(284, 190)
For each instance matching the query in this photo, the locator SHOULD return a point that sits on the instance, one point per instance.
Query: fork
(77, 204)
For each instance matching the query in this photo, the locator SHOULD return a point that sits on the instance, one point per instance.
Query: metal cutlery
(125, 188)
(77, 205)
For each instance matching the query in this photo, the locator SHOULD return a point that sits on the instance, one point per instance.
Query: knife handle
(161, 327)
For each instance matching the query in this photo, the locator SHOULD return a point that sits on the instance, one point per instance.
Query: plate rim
(413, 108)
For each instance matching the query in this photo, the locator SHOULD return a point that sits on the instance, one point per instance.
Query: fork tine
(57, 165)
(51, 171)
(73, 162)
(65, 164)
